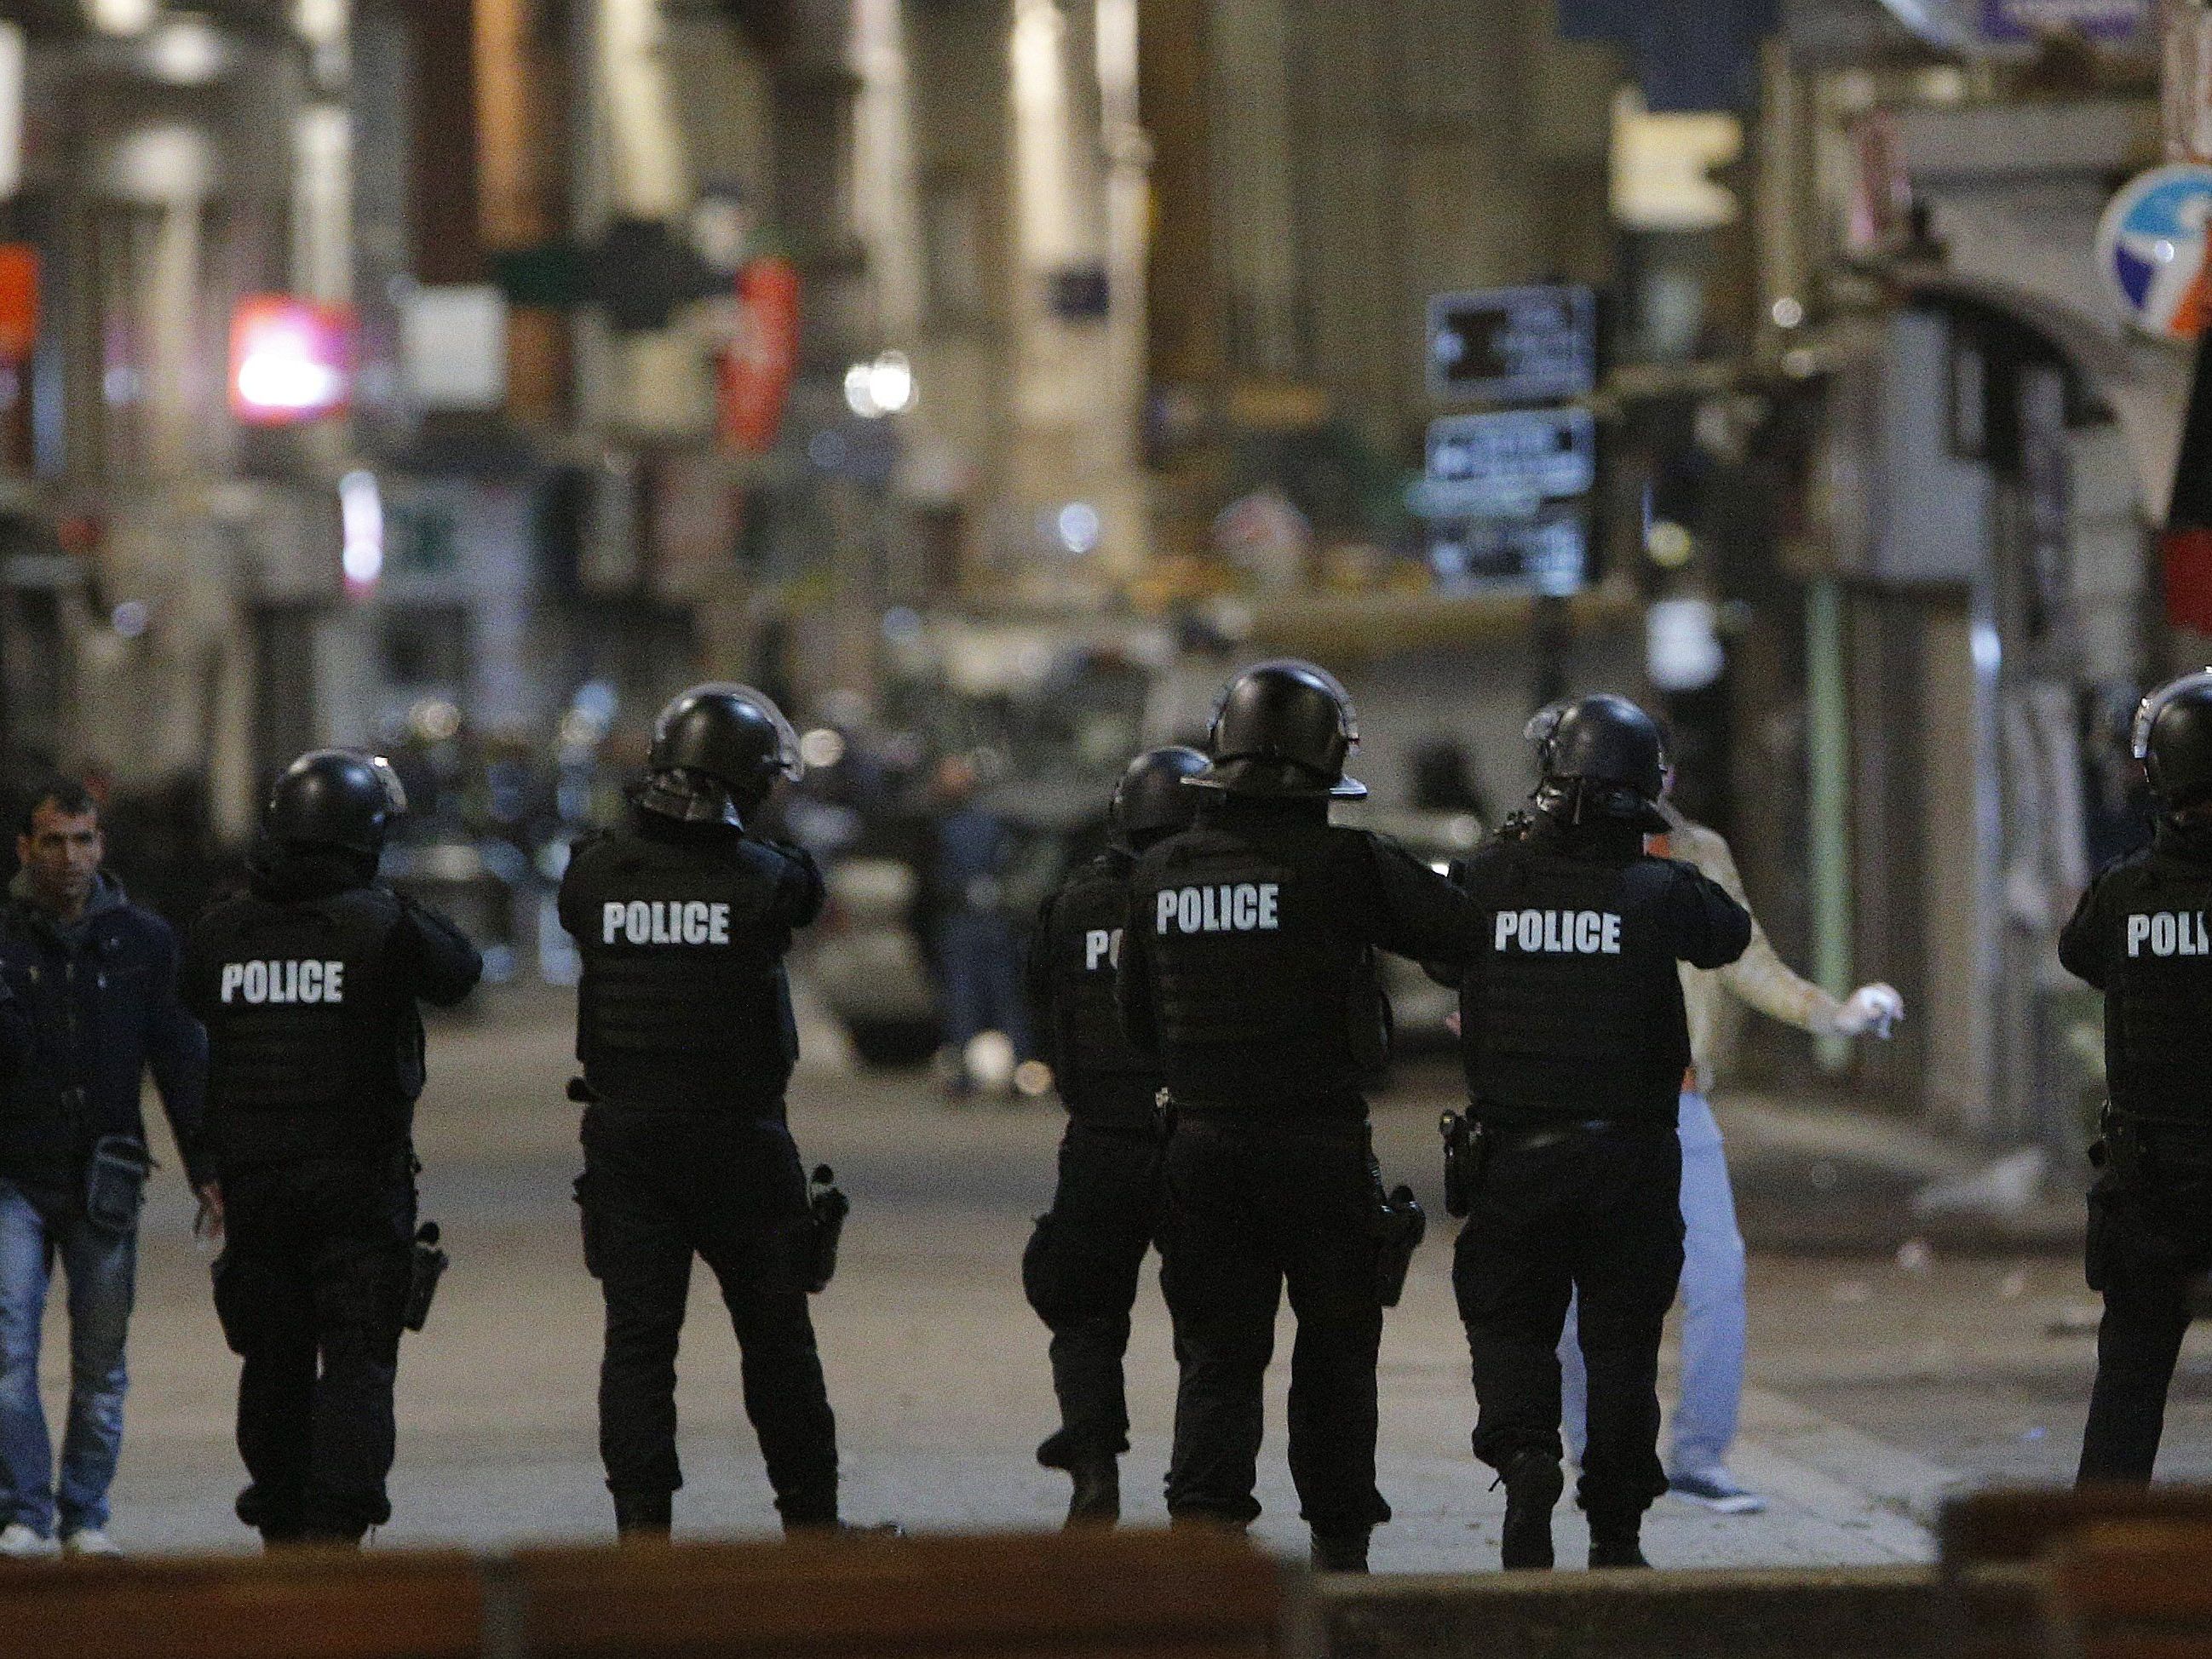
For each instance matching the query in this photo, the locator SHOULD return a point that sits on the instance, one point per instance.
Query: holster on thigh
(1067, 1277)
(366, 1295)
(244, 1291)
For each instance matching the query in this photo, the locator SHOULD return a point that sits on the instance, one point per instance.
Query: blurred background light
(121, 16)
(291, 360)
(361, 508)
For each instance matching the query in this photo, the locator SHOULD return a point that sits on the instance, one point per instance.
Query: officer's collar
(659, 826)
(2184, 838)
(1603, 840)
(287, 875)
(1220, 806)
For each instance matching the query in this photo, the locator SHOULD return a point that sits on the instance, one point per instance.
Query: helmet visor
(790, 763)
(1542, 724)
(2148, 710)
(395, 792)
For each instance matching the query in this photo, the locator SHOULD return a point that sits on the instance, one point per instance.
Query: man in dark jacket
(310, 983)
(1080, 1269)
(95, 977)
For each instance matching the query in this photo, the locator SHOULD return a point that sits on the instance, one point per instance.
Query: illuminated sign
(291, 360)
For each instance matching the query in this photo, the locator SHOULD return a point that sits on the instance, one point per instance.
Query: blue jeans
(980, 961)
(101, 1268)
(1713, 1317)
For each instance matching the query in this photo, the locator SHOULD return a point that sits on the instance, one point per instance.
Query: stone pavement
(937, 1367)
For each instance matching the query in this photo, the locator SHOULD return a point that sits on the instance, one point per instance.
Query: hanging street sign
(2151, 249)
(2025, 20)
(1547, 554)
(1506, 465)
(1513, 345)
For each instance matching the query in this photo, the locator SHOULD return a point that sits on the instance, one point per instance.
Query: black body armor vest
(1572, 1007)
(683, 1002)
(1101, 1076)
(313, 1048)
(2143, 936)
(1266, 993)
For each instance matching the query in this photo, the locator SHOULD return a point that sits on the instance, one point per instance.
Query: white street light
(883, 387)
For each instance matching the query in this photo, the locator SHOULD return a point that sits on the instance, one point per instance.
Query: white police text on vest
(664, 921)
(2169, 933)
(261, 983)
(1243, 907)
(1102, 950)
(1559, 933)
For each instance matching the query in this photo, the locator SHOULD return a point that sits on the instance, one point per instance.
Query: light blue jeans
(1713, 1321)
(101, 1268)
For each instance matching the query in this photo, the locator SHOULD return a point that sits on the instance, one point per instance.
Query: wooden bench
(2130, 1589)
(295, 1605)
(1114, 1596)
(1110, 1595)
(2019, 1526)
(2000, 1549)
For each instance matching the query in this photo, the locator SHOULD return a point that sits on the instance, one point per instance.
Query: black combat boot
(1096, 1501)
(1533, 1485)
(1615, 1541)
(277, 1519)
(1339, 1552)
(644, 1517)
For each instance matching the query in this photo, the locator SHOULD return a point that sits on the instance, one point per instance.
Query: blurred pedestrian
(310, 984)
(972, 936)
(1080, 1268)
(94, 978)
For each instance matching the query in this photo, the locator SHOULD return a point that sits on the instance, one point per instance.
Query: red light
(291, 361)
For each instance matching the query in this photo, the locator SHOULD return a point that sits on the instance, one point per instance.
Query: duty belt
(1537, 1138)
(1344, 1124)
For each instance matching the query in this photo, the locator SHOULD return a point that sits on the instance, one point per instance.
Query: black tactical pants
(1595, 1213)
(310, 1291)
(659, 1187)
(1081, 1275)
(1250, 1209)
(2148, 1244)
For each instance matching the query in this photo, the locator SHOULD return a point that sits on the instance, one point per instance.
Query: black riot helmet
(2172, 738)
(338, 798)
(1150, 802)
(1283, 729)
(1602, 757)
(717, 750)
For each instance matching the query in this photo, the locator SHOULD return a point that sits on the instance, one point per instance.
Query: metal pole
(2185, 39)
(1828, 759)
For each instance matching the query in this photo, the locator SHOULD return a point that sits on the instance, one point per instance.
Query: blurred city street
(1877, 1381)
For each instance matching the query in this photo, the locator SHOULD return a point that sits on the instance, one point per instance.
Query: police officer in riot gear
(1248, 967)
(685, 1034)
(1080, 1269)
(1574, 1044)
(2141, 935)
(309, 984)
